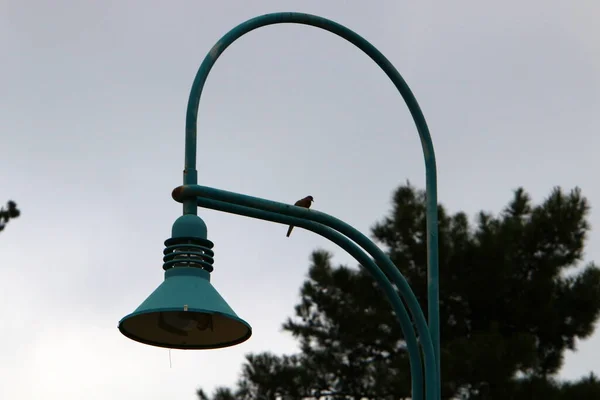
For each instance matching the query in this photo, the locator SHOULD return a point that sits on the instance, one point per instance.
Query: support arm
(416, 365)
(203, 193)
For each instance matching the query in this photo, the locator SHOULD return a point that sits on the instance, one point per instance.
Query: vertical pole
(190, 174)
(433, 278)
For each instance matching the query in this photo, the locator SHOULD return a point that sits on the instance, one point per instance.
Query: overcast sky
(92, 112)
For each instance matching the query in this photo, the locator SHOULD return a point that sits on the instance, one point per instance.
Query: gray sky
(92, 110)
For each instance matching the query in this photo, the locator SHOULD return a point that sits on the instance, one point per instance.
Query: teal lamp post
(186, 312)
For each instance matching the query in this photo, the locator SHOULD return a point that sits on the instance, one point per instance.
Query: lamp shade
(185, 312)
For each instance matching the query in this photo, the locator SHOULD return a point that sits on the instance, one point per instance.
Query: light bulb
(204, 321)
(182, 320)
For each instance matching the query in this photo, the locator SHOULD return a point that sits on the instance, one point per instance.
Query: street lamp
(186, 312)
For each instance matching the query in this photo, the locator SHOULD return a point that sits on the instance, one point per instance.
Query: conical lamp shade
(185, 312)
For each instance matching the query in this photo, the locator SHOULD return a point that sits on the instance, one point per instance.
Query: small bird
(306, 203)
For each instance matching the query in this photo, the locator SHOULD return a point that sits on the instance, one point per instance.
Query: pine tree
(513, 299)
(6, 215)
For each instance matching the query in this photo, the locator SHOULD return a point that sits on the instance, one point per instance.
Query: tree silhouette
(10, 213)
(513, 299)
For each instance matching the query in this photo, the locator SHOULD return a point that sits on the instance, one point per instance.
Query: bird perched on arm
(306, 203)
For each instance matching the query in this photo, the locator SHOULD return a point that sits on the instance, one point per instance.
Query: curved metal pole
(196, 192)
(416, 365)
(190, 173)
